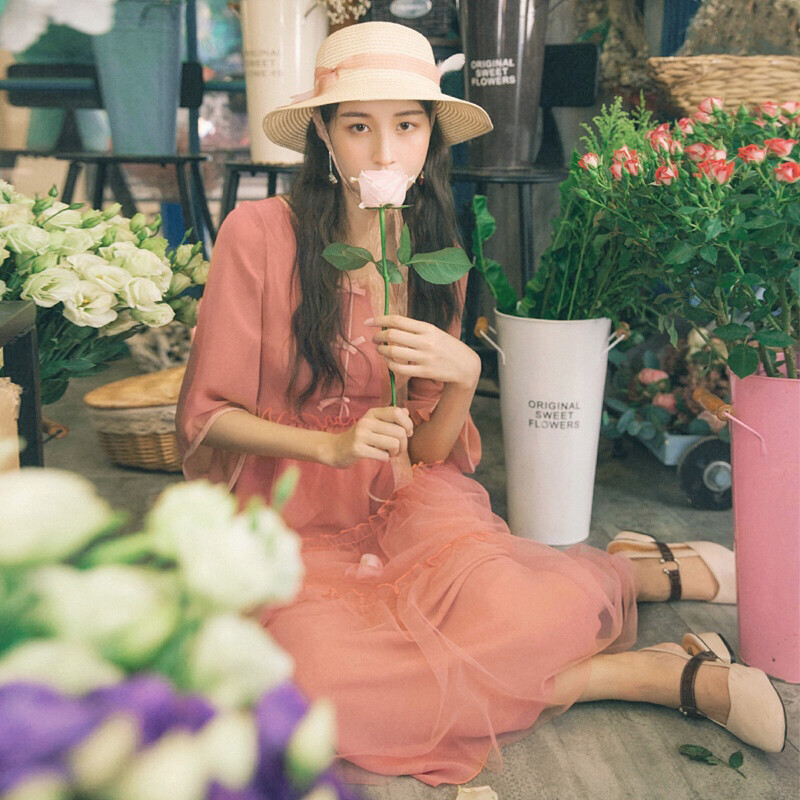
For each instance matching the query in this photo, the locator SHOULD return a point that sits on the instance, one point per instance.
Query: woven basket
(736, 79)
(135, 420)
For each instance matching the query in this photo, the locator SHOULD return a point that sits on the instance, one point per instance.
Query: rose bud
(792, 109)
(788, 172)
(781, 147)
(589, 161)
(648, 375)
(665, 401)
(701, 116)
(616, 171)
(697, 152)
(769, 109)
(710, 104)
(685, 125)
(752, 154)
(666, 174)
(623, 154)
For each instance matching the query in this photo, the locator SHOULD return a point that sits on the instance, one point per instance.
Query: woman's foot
(684, 570)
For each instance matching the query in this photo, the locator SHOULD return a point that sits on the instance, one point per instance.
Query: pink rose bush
(708, 206)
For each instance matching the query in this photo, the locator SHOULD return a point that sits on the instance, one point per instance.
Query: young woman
(433, 629)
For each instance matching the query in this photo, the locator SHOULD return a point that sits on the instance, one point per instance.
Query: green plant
(698, 753)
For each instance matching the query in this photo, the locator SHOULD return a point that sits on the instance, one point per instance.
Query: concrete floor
(596, 751)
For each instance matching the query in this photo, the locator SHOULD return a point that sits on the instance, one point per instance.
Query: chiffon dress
(435, 631)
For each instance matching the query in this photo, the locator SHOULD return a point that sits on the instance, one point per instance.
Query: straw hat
(375, 61)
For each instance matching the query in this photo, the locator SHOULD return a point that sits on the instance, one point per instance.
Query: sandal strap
(674, 574)
(688, 706)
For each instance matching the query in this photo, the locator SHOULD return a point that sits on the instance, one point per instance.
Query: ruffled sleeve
(224, 366)
(423, 397)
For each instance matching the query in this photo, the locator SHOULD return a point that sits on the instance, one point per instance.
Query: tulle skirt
(438, 634)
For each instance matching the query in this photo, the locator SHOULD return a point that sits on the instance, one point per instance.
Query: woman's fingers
(397, 321)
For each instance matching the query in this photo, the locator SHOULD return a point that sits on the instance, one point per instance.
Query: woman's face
(380, 134)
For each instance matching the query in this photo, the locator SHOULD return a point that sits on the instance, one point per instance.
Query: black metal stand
(21, 365)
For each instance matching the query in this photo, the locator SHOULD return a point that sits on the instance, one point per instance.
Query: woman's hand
(421, 350)
(379, 434)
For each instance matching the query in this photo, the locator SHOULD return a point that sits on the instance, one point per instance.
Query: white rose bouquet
(97, 278)
(132, 667)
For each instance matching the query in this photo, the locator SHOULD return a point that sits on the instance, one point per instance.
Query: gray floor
(597, 751)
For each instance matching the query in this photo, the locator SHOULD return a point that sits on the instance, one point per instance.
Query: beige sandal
(694, 643)
(757, 715)
(719, 560)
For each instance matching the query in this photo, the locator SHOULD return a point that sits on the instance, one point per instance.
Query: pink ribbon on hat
(325, 77)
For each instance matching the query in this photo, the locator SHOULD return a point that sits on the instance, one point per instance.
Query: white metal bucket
(552, 376)
(280, 43)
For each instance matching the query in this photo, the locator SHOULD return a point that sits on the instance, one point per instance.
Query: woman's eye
(406, 126)
(359, 127)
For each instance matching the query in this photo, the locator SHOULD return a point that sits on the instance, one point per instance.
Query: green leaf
(404, 248)
(714, 228)
(680, 254)
(761, 221)
(731, 332)
(284, 487)
(736, 759)
(625, 420)
(79, 365)
(699, 427)
(794, 280)
(442, 266)
(775, 339)
(695, 751)
(501, 289)
(650, 360)
(743, 360)
(708, 253)
(485, 224)
(395, 276)
(346, 257)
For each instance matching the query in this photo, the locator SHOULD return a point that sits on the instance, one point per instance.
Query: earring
(421, 177)
(331, 177)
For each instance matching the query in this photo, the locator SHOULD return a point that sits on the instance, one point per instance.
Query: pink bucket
(766, 511)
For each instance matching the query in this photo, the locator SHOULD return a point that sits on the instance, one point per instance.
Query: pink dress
(448, 641)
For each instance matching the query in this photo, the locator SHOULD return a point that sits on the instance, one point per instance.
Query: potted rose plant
(711, 207)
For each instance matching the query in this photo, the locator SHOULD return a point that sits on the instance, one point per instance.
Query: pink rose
(623, 154)
(665, 401)
(792, 109)
(788, 172)
(716, 169)
(769, 109)
(710, 104)
(666, 174)
(698, 151)
(715, 154)
(675, 146)
(382, 187)
(701, 116)
(589, 161)
(616, 171)
(685, 124)
(648, 375)
(659, 137)
(631, 166)
(752, 154)
(781, 147)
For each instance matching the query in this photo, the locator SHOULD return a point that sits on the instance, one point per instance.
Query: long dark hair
(319, 217)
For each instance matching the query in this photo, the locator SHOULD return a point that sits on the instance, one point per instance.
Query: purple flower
(38, 723)
(219, 792)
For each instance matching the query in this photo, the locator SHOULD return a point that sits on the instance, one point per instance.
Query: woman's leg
(652, 584)
(642, 676)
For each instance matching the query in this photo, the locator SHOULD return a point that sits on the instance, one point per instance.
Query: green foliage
(702, 754)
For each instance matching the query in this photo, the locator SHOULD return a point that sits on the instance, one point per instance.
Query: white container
(280, 39)
(552, 376)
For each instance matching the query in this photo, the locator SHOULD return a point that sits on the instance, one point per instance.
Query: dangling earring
(331, 177)
(421, 177)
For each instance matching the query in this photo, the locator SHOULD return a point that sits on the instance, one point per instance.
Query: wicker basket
(736, 79)
(135, 420)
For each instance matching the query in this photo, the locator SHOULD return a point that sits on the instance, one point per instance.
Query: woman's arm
(421, 350)
(381, 432)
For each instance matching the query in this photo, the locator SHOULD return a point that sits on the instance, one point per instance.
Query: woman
(433, 629)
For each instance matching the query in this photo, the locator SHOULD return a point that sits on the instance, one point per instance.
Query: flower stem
(385, 273)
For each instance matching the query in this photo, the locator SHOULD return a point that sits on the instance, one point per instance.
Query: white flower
(200, 273)
(172, 768)
(178, 283)
(45, 785)
(99, 271)
(11, 213)
(312, 746)
(185, 309)
(126, 613)
(24, 238)
(52, 286)
(187, 507)
(3, 286)
(75, 240)
(234, 661)
(229, 743)
(70, 667)
(47, 515)
(160, 315)
(61, 216)
(140, 263)
(4, 254)
(236, 567)
(101, 756)
(141, 294)
(123, 322)
(184, 254)
(91, 306)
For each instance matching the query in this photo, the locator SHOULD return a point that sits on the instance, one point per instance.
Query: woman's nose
(382, 154)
